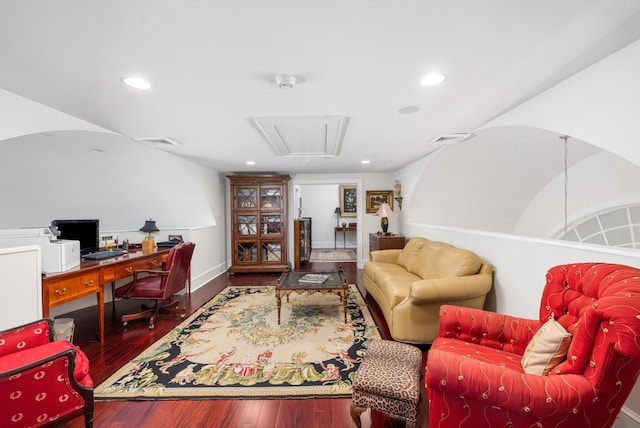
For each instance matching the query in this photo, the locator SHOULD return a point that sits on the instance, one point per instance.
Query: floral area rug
(233, 347)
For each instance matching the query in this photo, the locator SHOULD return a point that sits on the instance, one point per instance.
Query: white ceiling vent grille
(159, 142)
(449, 139)
(315, 136)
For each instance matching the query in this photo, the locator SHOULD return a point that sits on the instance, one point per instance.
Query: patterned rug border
(372, 331)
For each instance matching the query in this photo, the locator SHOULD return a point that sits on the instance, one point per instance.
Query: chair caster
(125, 323)
(152, 326)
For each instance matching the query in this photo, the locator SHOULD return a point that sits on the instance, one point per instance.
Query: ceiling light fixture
(365, 161)
(433, 79)
(251, 162)
(285, 81)
(136, 82)
(409, 110)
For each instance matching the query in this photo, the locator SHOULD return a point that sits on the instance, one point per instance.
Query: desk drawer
(125, 270)
(72, 288)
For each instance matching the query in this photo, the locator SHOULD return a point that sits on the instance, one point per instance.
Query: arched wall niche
(86, 174)
(510, 179)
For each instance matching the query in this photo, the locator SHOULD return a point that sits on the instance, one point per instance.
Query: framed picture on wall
(348, 200)
(375, 198)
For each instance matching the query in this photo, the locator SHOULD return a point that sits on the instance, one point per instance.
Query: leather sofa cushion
(372, 269)
(440, 260)
(395, 286)
(407, 257)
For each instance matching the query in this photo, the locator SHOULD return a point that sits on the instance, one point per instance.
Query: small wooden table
(336, 283)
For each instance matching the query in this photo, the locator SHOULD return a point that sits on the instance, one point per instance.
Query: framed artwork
(348, 200)
(375, 198)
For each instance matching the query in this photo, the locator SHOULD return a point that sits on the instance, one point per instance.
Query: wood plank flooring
(122, 344)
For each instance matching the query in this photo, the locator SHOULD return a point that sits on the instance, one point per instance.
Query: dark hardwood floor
(122, 344)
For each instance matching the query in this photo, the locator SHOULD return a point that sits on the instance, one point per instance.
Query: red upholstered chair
(159, 285)
(474, 374)
(42, 381)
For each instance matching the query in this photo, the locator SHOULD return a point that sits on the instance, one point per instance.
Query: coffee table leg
(279, 303)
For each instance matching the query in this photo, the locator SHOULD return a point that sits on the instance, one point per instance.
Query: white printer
(57, 255)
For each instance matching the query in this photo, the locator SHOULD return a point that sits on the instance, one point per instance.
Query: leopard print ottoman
(388, 380)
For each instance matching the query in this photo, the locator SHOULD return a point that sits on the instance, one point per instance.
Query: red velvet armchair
(42, 381)
(474, 374)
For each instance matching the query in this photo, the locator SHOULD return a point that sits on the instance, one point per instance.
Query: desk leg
(100, 297)
(344, 239)
(335, 239)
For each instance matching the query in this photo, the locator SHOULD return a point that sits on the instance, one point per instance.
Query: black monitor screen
(85, 231)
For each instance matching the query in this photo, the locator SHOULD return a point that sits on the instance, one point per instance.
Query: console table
(91, 278)
(351, 228)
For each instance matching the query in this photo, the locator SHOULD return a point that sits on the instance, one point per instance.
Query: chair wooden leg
(355, 414)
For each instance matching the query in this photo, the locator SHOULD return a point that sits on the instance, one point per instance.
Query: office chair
(159, 285)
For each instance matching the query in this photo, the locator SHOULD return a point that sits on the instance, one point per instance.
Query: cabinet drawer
(72, 288)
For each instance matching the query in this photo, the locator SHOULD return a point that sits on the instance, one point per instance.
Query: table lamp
(385, 212)
(337, 213)
(148, 243)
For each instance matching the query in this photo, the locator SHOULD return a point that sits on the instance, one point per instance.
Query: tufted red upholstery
(473, 373)
(42, 381)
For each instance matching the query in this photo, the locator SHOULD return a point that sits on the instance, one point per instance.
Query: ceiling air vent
(449, 139)
(315, 136)
(159, 142)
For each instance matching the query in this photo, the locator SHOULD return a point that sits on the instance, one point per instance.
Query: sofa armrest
(497, 331)
(385, 256)
(441, 290)
(536, 396)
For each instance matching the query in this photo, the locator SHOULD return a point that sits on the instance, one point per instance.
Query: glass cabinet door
(271, 251)
(271, 224)
(247, 225)
(246, 197)
(270, 197)
(247, 252)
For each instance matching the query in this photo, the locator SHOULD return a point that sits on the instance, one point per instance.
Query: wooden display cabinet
(259, 223)
(302, 241)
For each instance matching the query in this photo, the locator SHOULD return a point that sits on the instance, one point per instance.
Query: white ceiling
(212, 66)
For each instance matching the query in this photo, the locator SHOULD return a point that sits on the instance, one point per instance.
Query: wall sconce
(398, 194)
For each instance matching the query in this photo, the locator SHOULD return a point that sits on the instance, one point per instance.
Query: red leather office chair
(42, 382)
(159, 285)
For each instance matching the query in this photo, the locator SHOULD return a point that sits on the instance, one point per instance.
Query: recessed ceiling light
(136, 82)
(365, 161)
(251, 162)
(433, 79)
(409, 110)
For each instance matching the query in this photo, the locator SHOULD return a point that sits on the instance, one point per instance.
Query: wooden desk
(92, 276)
(344, 231)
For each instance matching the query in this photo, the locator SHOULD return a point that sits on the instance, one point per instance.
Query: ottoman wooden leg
(355, 414)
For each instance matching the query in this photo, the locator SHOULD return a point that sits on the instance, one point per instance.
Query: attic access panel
(313, 136)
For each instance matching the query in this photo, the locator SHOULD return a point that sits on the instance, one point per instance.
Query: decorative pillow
(547, 348)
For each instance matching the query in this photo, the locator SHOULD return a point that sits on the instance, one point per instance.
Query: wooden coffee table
(335, 283)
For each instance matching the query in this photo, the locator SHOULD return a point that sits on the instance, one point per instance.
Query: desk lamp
(148, 243)
(385, 212)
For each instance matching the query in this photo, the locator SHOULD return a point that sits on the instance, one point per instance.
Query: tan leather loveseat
(411, 284)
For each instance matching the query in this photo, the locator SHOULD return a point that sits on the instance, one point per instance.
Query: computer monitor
(85, 231)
